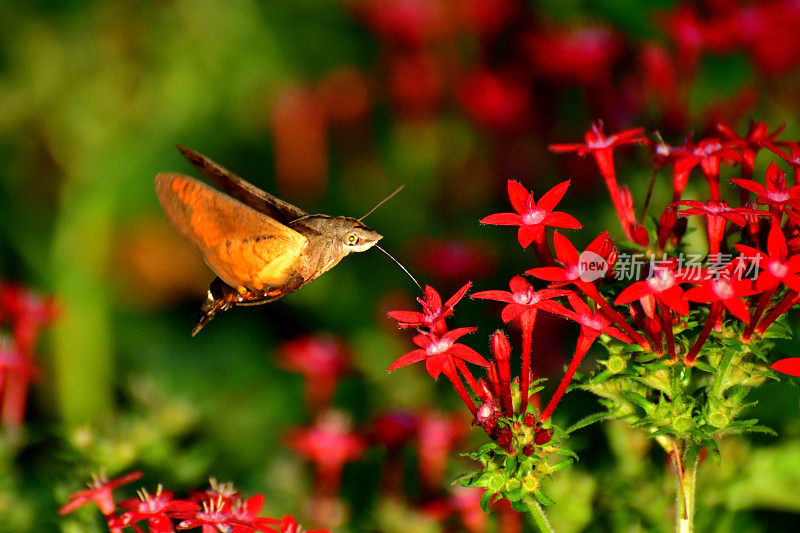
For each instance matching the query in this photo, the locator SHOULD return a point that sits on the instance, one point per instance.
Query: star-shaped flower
(533, 217)
(437, 351)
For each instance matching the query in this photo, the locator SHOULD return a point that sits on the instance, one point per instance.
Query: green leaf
(587, 421)
(485, 499)
(543, 498)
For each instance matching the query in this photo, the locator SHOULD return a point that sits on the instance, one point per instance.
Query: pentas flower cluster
(23, 315)
(219, 508)
(688, 334)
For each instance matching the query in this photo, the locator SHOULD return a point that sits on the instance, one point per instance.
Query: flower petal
(550, 199)
(499, 296)
(408, 359)
(789, 366)
(518, 195)
(468, 354)
(503, 219)
(559, 219)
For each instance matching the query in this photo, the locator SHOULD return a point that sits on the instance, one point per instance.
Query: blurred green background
(331, 105)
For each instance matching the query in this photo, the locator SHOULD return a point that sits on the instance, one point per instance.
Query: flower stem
(580, 350)
(716, 309)
(536, 514)
(526, 319)
(685, 507)
(452, 374)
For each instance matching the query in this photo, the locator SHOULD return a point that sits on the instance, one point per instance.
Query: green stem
(685, 506)
(537, 515)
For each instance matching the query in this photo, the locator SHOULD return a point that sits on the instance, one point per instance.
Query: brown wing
(242, 190)
(242, 246)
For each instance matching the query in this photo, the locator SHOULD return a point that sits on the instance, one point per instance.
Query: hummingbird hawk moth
(260, 247)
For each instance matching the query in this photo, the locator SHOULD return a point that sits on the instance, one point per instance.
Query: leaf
(543, 498)
(587, 421)
(639, 400)
(485, 500)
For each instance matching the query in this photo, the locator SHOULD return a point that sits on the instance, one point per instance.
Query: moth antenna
(395, 260)
(392, 195)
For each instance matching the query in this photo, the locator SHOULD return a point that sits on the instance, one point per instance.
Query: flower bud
(543, 436)
(501, 349)
(529, 420)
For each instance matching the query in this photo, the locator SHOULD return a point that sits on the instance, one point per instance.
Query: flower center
(438, 347)
(661, 280)
(777, 269)
(723, 289)
(777, 196)
(524, 298)
(534, 216)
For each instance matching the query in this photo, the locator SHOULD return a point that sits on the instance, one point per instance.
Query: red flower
(155, 508)
(495, 102)
(600, 249)
(662, 286)
(329, 444)
(789, 366)
(725, 287)
(522, 298)
(592, 326)
(100, 492)
(602, 147)
(321, 360)
(775, 194)
(774, 266)
(531, 217)
(214, 515)
(437, 351)
(717, 213)
(246, 511)
(433, 312)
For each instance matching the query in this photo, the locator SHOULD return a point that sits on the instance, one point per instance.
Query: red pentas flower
(433, 311)
(593, 325)
(214, 515)
(531, 217)
(757, 135)
(571, 270)
(156, 509)
(717, 214)
(100, 492)
(521, 298)
(789, 366)
(437, 352)
(602, 146)
(661, 286)
(775, 194)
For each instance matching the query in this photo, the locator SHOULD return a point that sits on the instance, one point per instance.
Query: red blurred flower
(531, 217)
(584, 55)
(438, 351)
(416, 83)
(100, 492)
(407, 22)
(433, 312)
(452, 260)
(321, 359)
(495, 102)
(328, 444)
(789, 366)
(437, 435)
(289, 525)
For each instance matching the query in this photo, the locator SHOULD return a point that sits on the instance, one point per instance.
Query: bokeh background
(331, 105)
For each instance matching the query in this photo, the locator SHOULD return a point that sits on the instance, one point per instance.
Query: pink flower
(156, 509)
(531, 217)
(775, 193)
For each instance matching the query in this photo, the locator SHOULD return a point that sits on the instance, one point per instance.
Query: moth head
(356, 237)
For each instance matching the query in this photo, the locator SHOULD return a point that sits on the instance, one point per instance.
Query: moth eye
(351, 239)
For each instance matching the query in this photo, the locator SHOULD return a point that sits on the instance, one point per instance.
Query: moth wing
(241, 189)
(241, 245)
